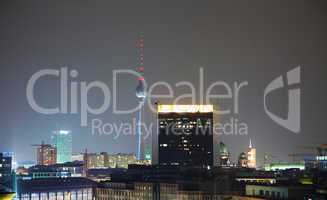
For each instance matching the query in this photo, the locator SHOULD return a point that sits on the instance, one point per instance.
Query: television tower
(141, 95)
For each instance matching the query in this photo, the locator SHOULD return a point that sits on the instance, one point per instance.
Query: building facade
(284, 166)
(62, 140)
(5, 171)
(185, 135)
(69, 169)
(290, 191)
(95, 160)
(77, 157)
(46, 155)
(251, 154)
(105, 160)
(56, 189)
(157, 191)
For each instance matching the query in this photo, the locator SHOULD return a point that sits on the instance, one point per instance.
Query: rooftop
(185, 108)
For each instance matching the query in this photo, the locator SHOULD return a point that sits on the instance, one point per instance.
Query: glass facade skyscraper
(62, 140)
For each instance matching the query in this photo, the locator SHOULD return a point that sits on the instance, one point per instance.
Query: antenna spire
(141, 95)
(140, 46)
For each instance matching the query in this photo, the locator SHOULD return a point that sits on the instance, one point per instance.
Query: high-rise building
(62, 140)
(251, 155)
(5, 171)
(185, 135)
(46, 154)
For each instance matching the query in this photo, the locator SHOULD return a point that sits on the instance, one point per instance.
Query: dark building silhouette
(5, 172)
(185, 135)
(56, 188)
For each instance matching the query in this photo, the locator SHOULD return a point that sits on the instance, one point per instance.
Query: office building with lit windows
(97, 160)
(73, 188)
(5, 171)
(62, 140)
(46, 154)
(146, 191)
(185, 135)
(69, 169)
(105, 160)
(121, 160)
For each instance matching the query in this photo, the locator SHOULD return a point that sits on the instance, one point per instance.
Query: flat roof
(54, 184)
(185, 108)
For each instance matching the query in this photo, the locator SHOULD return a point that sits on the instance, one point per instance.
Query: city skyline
(163, 100)
(231, 49)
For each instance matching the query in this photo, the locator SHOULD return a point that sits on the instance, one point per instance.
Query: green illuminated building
(148, 152)
(62, 140)
(284, 166)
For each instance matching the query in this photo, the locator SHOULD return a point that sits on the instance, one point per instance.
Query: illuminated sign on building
(185, 108)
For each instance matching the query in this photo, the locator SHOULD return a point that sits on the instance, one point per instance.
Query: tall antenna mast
(141, 55)
(141, 95)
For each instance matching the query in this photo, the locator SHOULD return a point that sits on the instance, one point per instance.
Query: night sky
(254, 41)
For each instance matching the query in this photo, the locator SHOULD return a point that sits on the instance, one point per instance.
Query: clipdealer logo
(292, 122)
(79, 92)
(73, 89)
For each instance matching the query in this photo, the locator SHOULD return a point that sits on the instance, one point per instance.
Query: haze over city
(231, 43)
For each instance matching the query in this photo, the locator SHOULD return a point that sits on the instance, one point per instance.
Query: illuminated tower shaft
(140, 142)
(140, 94)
